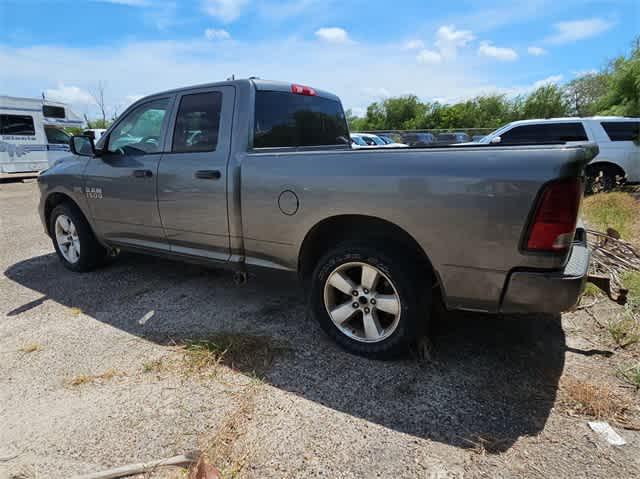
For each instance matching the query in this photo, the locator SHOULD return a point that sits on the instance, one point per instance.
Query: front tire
(73, 239)
(370, 299)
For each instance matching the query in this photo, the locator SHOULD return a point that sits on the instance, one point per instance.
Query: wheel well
(605, 165)
(54, 200)
(332, 231)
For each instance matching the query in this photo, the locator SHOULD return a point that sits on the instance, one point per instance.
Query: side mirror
(496, 140)
(82, 146)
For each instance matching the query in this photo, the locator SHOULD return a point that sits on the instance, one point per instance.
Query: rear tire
(73, 239)
(385, 327)
(601, 178)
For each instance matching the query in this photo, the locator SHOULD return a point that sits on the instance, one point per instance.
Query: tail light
(554, 221)
(303, 90)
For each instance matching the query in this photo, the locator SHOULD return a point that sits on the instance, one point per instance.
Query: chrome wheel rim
(362, 302)
(67, 239)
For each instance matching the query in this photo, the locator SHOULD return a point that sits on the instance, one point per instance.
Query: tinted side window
(548, 132)
(198, 122)
(53, 111)
(284, 119)
(19, 125)
(622, 130)
(568, 132)
(139, 132)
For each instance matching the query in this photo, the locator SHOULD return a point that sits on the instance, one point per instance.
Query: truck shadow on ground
(491, 380)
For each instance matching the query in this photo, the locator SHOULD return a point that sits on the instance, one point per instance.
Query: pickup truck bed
(372, 232)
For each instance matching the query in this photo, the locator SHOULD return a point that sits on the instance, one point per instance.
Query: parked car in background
(359, 141)
(477, 138)
(390, 142)
(260, 173)
(371, 140)
(617, 137)
(31, 133)
(95, 133)
(452, 138)
(418, 139)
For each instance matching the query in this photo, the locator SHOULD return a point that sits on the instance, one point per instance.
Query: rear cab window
(622, 130)
(285, 119)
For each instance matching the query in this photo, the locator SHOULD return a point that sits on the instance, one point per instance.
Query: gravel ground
(486, 405)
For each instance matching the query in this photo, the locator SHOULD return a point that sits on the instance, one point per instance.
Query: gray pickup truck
(259, 173)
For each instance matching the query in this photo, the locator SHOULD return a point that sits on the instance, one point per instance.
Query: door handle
(142, 173)
(208, 174)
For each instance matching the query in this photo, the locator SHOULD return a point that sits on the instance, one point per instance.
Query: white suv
(617, 137)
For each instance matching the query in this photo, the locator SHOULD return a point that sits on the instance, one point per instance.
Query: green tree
(585, 93)
(355, 123)
(546, 102)
(623, 93)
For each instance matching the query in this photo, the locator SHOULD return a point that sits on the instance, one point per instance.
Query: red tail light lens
(554, 222)
(303, 90)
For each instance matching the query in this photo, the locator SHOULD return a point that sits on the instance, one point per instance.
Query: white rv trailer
(31, 133)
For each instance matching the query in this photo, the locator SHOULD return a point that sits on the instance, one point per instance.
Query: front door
(121, 183)
(192, 177)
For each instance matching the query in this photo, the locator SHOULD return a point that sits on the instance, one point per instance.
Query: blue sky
(361, 50)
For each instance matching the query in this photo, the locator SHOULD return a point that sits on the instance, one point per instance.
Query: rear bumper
(548, 292)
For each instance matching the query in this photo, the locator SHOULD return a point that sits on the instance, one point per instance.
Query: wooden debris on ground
(611, 258)
(148, 467)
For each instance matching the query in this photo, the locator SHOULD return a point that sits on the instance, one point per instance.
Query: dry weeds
(95, 378)
(582, 398)
(31, 348)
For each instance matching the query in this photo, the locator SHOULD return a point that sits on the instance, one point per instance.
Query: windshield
(487, 139)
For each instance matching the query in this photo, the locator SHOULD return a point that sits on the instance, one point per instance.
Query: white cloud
(154, 66)
(589, 71)
(488, 50)
(69, 94)
(448, 40)
(129, 99)
(552, 80)
(536, 51)
(162, 15)
(333, 35)
(376, 92)
(216, 34)
(572, 31)
(225, 10)
(413, 45)
(428, 56)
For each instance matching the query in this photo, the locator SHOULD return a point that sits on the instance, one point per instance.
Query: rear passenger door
(192, 176)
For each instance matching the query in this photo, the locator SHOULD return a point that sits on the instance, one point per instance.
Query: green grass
(617, 210)
(250, 354)
(591, 291)
(625, 330)
(631, 375)
(631, 281)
